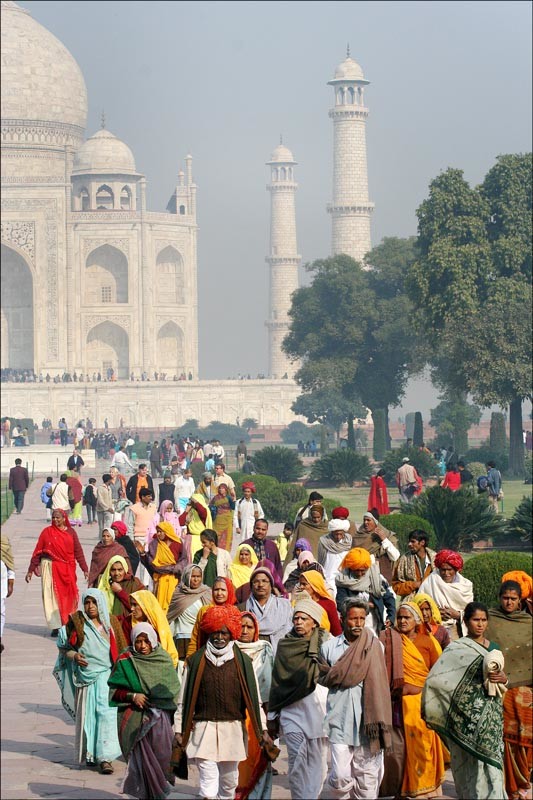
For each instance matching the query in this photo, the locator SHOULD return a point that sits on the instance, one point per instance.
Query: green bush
(279, 500)
(520, 525)
(227, 434)
(458, 518)
(296, 431)
(140, 449)
(329, 504)
(424, 463)
(477, 469)
(418, 430)
(403, 524)
(484, 454)
(341, 468)
(486, 571)
(280, 462)
(263, 483)
(528, 468)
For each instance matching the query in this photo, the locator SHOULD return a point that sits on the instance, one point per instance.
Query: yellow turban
(356, 558)
(524, 581)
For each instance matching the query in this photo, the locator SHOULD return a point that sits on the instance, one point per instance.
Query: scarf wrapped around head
(356, 558)
(218, 617)
(184, 596)
(157, 618)
(104, 585)
(120, 528)
(422, 598)
(522, 579)
(111, 532)
(146, 628)
(305, 555)
(413, 609)
(449, 557)
(340, 513)
(103, 613)
(301, 545)
(270, 566)
(168, 530)
(240, 573)
(308, 606)
(255, 622)
(338, 525)
(232, 597)
(316, 582)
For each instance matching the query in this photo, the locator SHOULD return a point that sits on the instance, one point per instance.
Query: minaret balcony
(359, 208)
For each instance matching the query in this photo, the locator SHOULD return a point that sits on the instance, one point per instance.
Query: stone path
(37, 735)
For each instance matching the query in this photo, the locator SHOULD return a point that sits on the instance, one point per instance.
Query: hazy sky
(450, 85)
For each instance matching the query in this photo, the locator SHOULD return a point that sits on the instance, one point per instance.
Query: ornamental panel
(21, 234)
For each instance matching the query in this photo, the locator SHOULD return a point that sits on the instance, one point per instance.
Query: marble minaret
(350, 208)
(283, 257)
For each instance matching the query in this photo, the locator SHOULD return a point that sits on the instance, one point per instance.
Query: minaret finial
(348, 50)
(281, 138)
(102, 123)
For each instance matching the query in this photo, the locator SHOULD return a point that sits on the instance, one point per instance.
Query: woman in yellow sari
(424, 753)
(243, 565)
(197, 518)
(145, 608)
(163, 562)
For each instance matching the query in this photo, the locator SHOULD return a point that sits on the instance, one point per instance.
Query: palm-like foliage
(341, 468)
(458, 518)
(521, 524)
(280, 462)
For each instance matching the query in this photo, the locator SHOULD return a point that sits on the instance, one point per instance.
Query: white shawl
(456, 595)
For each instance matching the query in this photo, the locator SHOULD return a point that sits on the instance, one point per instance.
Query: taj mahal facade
(94, 282)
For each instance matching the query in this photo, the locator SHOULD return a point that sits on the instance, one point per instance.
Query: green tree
(249, 424)
(329, 407)
(362, 356)
(471, 286)
(296, 431)
(453, 418)
(279, 462)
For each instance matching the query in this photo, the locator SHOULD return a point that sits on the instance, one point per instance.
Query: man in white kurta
(332, 547)
(247, 510)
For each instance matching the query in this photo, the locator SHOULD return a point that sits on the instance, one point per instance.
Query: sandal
(106, 768)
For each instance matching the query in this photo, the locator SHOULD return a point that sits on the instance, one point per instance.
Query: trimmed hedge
(486, 570)
(277, 499)
(403, 524)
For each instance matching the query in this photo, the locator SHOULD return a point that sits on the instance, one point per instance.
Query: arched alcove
(169, 277)
(107, 347)
(104, 198)
(106, 276)
(125, 198)
(16, 290)
(170, 355)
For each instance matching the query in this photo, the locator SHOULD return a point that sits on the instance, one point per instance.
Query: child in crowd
(282, 541)
(46, 499)
(89, 501)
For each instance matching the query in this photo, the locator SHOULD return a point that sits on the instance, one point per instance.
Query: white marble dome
(349, 70)
(282, 155)
(41, 81)
(104, 153)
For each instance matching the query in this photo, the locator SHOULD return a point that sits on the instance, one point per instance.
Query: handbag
(178, 762)
(271, 751)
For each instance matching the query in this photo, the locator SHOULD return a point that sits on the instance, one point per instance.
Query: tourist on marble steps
(381, 543)
(255, 773)
(188, 598)
(263, 547)
(121, 536)
(18, 482)
(297, 703)
(166, 490)
(359, 577)
(144, 688)
(413, 567)
(511, 628)
(222, 508)
(137, 482)
(299, 546)
(164, 561)
(423, 771)
(274, 614)
(105, 509)
(332, 547)
(219, 690)
(104, 550)
(54, 561)
(312, 527)
(450, 590)
(222, 594)
(75, 461)
(358, 712)
(7, 581)
(222, 477)
(89, 644)
(462, 701)
(145, 608)
(248, 509)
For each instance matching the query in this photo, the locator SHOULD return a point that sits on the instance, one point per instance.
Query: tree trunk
(351, 434)
(516, 442)
(460, 440)
(388, 440)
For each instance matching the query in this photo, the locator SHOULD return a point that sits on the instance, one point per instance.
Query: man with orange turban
(359, 577)
(219, 688)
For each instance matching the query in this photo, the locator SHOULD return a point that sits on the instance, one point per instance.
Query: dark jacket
(19, 480)
(131, 487)
(75, 462)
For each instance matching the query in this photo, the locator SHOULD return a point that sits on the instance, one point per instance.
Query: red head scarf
(218, 617)
(254, 620)
(449, 557)
(120, 527)
(232, 597)
(340, 513)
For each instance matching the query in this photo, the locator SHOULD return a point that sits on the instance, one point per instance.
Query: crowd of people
(200, 636)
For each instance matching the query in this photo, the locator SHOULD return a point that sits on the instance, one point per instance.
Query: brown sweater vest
(220, 697)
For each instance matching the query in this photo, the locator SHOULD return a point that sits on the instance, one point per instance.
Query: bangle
(134, 695)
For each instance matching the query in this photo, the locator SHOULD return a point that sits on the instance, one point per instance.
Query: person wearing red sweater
(452, 479)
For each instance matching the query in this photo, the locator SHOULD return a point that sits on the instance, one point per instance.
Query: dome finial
(102, 123)
(348, 50)
(281, 138)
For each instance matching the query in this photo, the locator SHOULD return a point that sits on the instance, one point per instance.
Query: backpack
(483, 483)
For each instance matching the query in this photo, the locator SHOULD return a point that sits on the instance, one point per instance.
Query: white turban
(338, 525)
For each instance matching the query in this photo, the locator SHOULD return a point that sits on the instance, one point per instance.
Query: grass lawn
(6, 501)
(356, 499)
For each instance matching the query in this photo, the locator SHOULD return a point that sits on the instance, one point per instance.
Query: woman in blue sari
(89, 644)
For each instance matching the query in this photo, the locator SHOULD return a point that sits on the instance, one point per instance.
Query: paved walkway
(37, 735)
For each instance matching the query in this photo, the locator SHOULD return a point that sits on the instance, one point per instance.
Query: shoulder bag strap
(195, 689)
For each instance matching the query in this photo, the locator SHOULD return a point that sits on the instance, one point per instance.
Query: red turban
(449, 557)
(340, 513)
(248, 485)
(120, 527)
(218, 617)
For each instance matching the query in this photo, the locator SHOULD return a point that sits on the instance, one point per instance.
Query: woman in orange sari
(162, 562)
(424, 753)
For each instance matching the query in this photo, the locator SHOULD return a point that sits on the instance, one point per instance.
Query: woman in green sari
(144, 687)
(462, 701)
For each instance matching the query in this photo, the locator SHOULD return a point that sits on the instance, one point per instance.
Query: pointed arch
(106, 276)
(105, 199)
(16, 290)
(170, 350)
(170, 277)
(107, 348)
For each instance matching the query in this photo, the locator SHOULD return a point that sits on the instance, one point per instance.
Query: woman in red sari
(377, 498)
(54, 560)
